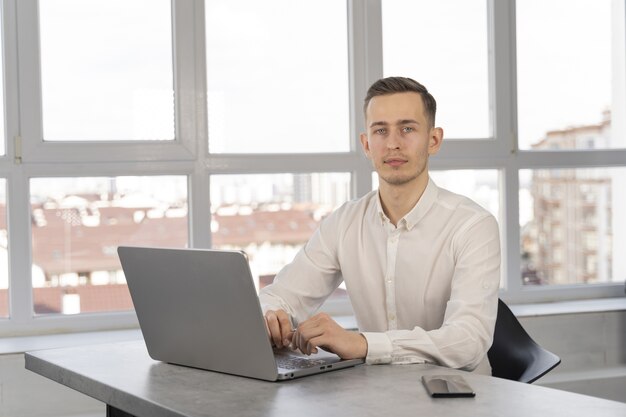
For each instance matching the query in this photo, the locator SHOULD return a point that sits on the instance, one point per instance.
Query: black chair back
(514, 354)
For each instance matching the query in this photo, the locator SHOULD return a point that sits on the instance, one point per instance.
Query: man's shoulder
(359, 204)
(356, 208)
(467, 216)
(460, 203)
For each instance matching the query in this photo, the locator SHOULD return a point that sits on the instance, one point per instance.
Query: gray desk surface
(123, 376)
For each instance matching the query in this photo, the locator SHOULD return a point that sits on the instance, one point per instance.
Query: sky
(278, 75)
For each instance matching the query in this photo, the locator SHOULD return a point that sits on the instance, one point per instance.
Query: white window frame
(31, 157)
(35, 149)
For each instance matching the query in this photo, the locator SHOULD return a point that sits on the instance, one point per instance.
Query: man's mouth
(395, 162)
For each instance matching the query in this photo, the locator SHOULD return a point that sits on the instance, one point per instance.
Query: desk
(123, 376)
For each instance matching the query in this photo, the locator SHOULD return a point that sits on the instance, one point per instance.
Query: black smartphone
(447, 386)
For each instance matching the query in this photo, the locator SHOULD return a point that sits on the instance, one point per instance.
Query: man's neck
(398, 200)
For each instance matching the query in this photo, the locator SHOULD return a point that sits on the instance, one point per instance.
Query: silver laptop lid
(199, 308)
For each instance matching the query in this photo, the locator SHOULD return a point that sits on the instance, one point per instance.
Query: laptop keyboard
(296, 362)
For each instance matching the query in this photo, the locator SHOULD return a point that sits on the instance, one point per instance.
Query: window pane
(2, 116)
(4, 253)
(271, 217)
(106, 69)
(443, 45)
(572, 226)
(277, 74)
(570, 61)
(77, 225)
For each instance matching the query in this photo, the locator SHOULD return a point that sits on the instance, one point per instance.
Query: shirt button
(485, 285)
(392, 317)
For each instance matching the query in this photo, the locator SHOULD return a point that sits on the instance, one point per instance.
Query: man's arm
(302, 286)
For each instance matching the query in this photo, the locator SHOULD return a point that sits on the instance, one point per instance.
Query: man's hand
(322, 331)
(279, 328)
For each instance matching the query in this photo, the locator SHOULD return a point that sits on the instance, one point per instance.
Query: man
(421, 264)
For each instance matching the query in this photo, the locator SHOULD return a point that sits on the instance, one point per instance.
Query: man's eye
(407, 129)
(380, 131)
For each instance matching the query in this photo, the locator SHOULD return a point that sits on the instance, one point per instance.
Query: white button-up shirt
(424, 291)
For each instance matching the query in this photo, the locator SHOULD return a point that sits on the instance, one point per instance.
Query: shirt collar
(420, 209)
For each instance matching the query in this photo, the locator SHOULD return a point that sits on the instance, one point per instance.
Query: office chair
(514, 354)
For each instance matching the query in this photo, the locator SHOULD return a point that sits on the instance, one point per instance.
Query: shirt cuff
(379, 348)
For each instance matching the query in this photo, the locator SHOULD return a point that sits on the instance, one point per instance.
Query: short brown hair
(393, 85)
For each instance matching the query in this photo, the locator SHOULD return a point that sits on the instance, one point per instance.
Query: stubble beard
(398, 179)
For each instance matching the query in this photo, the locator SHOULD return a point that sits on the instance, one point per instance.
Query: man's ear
(434, 142)
(365, 144)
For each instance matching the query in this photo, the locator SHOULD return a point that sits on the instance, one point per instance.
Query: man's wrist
(359, 350)
(364, 344)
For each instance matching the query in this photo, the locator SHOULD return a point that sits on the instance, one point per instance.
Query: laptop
(199, 308)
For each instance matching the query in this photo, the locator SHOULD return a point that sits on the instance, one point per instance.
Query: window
(4, 241)
(569, 233)
(106, 70)
(277, 75)
(581, 232)
(4, 253)
(234, 124)
(567, 61)
(77, 225)
(271, 217)
(466, 62)
(443, 45)
(2, 115)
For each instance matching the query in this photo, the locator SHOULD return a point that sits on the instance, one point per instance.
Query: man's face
(399, 138)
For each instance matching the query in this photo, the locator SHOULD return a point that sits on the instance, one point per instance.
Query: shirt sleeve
(467, 330)
(302, 286)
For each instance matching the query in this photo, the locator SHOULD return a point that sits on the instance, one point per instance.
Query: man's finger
(274, 328)
(303, 336)
(314, 343)
(285, 328)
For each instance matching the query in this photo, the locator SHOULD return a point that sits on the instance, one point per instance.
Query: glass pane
(570, 61)
(272, 216)
(572, 226)
(106, 69)
(77, 225)
(4, 253)
(277, 74)
(443, 45)
(2, 115)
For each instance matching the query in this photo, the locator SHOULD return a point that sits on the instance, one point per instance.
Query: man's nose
(393, 141)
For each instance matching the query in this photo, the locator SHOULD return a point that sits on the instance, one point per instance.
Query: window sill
(11, 345)
(599, 305)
